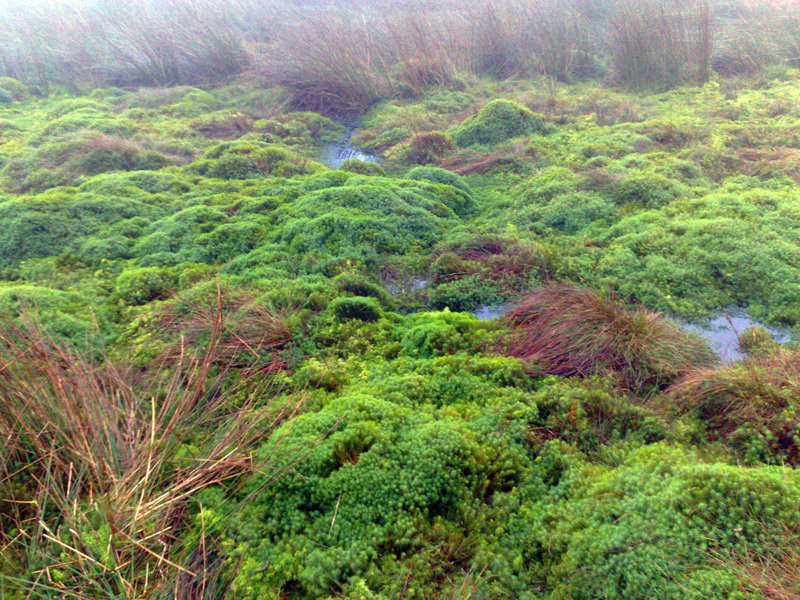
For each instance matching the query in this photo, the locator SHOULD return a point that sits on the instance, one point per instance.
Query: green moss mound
(498, 121)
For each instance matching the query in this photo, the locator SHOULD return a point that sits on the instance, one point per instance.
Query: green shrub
(317, 375)
(62, 313)
(95, 250)
(459, 202)
(14, 89)
(230, 240)
(372, 476)
(547, 184)
(243, 160)
(194, 103)
(498, 121)
(464, 294)
(369, 216)
(570, 212)
(704, 256)
(50, 224)
(664, 519)
(149, 182)
(441, 333)
(87, 119)
(358, 285)
(483, 387)
(650, 190)
(190, 234)
(594, 413)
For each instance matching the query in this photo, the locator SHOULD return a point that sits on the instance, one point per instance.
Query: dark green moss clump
(358, 307)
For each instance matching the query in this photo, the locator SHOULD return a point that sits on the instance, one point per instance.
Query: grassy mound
(751, 404)
(497, 121)
(568, 330)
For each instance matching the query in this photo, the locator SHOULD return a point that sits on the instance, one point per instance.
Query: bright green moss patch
(498, 121)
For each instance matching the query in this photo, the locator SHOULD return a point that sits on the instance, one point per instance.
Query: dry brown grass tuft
(251, 334)
(508, 262)
(759, 393)
(103, 463)
(569, 330)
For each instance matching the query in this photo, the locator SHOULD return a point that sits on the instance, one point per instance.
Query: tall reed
(331, 63)
(660, 43)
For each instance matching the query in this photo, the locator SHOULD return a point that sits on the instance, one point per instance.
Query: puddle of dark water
(722, 333)
(415, 284)
(489, 311)
(333, 155)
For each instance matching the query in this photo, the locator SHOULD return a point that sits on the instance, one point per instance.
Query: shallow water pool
(723, 330)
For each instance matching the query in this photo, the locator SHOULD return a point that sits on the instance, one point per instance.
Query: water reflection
(722, 333)
(489, 311)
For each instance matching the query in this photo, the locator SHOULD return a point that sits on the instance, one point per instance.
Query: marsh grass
(167, 43)
(756, 35)
(101, 463)
(568, 330)
(331, 64)
(424, 50)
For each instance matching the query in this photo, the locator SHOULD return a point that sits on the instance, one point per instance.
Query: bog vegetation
(228, 370)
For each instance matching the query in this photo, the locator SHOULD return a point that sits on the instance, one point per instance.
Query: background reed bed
(341, 57)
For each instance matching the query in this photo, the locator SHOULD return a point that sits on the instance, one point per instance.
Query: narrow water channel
(333, 155)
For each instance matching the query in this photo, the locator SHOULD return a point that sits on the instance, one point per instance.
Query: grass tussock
(509, 263)
(569, 330)
(756, 396)
(99, 464)
(772, 578)
(251, 334)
